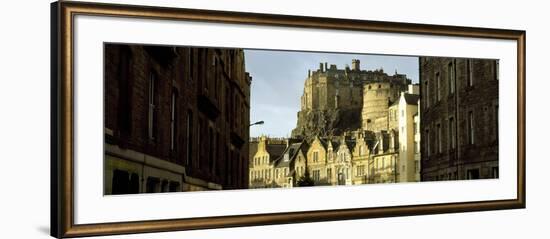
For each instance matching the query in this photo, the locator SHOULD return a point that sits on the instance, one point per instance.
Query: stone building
(261, 170)
(277, 162)
(417, 143)
(291, 166)
(407, 165)
(316, 161)
(384, 158)
(342, 165)
(333, 99)
(459, 118)
(176, 119)
(361, 157)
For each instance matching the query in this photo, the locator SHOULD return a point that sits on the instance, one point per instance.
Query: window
(191, 64)
(452, 133)
(496, 122)
(173, 120)
(470, 71)
(360, 170)
(216, 76)
(427, 93)
(124, 104)
(201, 76)
(438, 86)
(189, 137)
(124, 184)
(200, 144)
(438, 138)
(227, 104)
(416, 148)
(428, 142)
(151, 111)
(315, 156)
(316, 175)
(152, 185)
(471, 132)
(210, 147)
(496, 70)
(451, 77)
(473, 174)
(329, 174)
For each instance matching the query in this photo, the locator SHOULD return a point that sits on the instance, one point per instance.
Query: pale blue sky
(278, 81)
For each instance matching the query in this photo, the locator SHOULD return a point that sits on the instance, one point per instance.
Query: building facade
(407, 164)
(460, 118)
(176, 119)
(277, 162)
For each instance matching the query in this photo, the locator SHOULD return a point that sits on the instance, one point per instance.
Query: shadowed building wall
(176, 119)
(459, 109)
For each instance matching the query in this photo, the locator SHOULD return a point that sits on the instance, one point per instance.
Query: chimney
(321, 67)
(326, 66)
(355, 65)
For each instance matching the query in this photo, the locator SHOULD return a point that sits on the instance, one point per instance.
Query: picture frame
(64, 122)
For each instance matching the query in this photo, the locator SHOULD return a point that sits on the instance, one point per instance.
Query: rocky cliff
(326, 122)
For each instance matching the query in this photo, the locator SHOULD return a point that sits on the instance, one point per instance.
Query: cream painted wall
(24, 124)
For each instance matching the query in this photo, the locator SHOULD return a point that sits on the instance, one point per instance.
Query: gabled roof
(292, 151)
(322, 141)
(275, 150)
(350, 144)
(335, 144)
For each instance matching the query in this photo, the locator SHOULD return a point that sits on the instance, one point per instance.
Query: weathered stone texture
(467, 93)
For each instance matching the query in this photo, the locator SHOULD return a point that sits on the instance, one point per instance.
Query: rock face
(326, 122)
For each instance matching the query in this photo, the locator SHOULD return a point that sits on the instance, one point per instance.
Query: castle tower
(355, 65)
(377, 97)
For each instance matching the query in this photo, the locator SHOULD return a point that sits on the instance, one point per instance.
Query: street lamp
(257, 123)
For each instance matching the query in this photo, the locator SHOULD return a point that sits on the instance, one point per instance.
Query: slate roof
(275, 150)
(411, 99)
(292, 151)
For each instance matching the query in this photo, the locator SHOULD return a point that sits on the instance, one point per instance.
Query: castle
(337, 100)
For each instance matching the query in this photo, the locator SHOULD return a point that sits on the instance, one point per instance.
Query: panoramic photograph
(185, 118)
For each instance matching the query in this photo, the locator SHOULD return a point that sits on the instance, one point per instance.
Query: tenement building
(176, 119)
(459, 118)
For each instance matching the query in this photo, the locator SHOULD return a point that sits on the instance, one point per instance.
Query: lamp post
(257, 123)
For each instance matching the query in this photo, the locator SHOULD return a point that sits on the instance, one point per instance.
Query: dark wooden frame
(62, 16)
